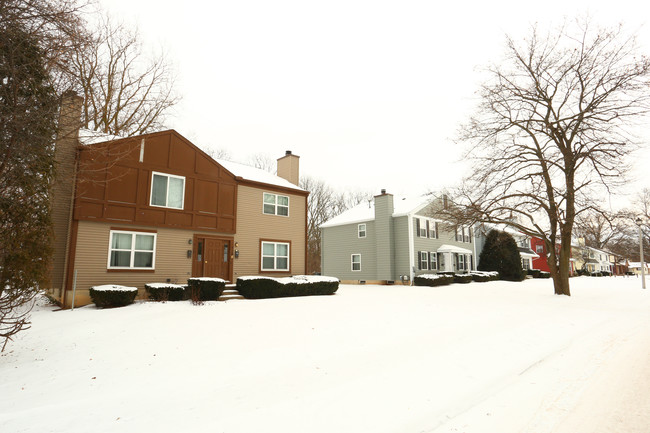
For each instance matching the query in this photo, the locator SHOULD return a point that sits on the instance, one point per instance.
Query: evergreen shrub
(109, 296)
(500, 253)
(433, 280)
(543, 274)
(481, 277)
(162, 292)
(302, 285)
(205, 289)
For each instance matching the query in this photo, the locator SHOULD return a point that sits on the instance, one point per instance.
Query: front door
(212, 258)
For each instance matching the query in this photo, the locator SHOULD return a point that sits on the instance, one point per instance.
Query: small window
(433, 262)
(461, 262)
(525, 264)
(356, 262)
(433, 230)
(275, 256)
(423, 256)
(422, 227)
(276, 204)
(361, 229)
(539, 249)
(131, 250)
(167, 190)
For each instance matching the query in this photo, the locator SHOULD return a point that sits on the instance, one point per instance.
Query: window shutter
(417, 227)
(428, 228)
(456, 234)
(419, 260)
(436, 224)
(470, 235)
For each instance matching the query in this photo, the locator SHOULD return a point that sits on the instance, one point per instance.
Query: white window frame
(132, 250)
(275, 257)
(539, 248)
(275, 204)
(462, 263)
(359, 230)
(157, 173)
(433, 230)
(433, 261)
(424, 260)
(353, 262)
(423, 228)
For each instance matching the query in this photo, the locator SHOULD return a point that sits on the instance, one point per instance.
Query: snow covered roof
(366, 211)
(453, 249)
(256, 175)
(87, 136)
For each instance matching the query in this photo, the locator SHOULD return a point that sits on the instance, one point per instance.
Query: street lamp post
(638, 223)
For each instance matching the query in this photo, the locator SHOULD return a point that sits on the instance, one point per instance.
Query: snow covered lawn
(493, 357)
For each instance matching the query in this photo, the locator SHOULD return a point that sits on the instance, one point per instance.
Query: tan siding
(92, 259)
(253, 225)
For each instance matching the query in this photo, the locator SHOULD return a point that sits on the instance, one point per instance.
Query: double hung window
(356, 262)
(131, 250)
(361, 230)
(275, 204)
(275, 256)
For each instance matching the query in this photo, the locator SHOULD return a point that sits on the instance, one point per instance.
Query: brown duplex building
(155, 208)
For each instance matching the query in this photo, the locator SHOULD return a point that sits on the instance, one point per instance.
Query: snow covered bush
(165, 292)
(543, 274)
(533, 272)
(483, 276)
(462, 278)
(111, 295)
(433, 280)
(300, 285)
(205, 289)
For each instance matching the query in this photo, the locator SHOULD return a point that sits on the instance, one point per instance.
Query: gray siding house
(393, 239)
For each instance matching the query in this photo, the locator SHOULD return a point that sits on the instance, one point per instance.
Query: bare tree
(551, 132)
(125, 92)
(263, 161)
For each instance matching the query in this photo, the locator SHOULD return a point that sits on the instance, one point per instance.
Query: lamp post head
(638, 221)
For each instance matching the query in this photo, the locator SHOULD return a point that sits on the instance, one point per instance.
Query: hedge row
(536, 273)
(162, 292)
(205, 289)
(267, 287)
(444, 278)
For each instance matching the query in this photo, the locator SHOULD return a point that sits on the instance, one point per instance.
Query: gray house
(390, 239)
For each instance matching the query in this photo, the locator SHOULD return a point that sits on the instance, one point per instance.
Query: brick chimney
(289, 167)
(62, 188)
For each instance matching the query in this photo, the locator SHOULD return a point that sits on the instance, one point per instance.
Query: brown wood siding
(91, 259)
(253, 225)
(115, 186)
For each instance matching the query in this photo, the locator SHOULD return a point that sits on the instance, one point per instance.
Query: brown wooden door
(213, 258)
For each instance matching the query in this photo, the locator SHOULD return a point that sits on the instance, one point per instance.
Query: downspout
(411, 248)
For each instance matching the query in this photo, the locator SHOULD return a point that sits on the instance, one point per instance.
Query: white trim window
(361, 231)
(275, 256)
(462, 262)
(422, 228)
(167, 190)
(423, 260)
(433, 261)
(355, 262)
(131, 250)
(433, 229)
(275, 204)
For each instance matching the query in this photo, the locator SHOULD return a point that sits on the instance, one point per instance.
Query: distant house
(155, 208)
(635, 268)
(596, 260)
(541, 262)
(390, 239)
(523, 241)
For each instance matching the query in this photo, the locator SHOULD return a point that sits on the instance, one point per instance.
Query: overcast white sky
(368, 93)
